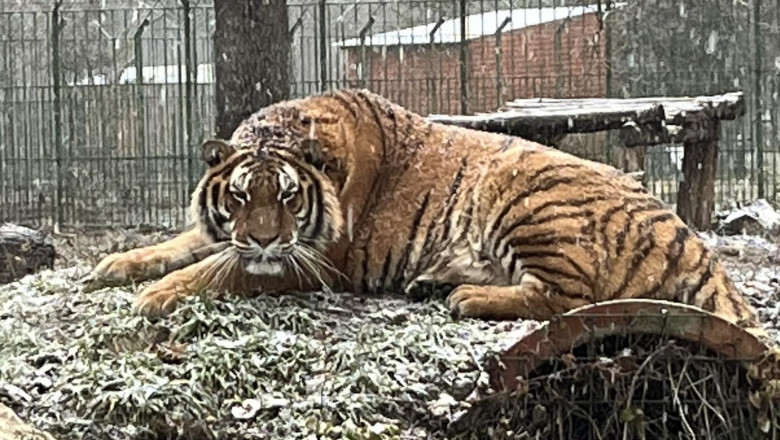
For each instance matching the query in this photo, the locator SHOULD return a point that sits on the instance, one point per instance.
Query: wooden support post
(696, 195)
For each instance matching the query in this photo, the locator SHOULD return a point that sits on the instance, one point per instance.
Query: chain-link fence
(102, 106)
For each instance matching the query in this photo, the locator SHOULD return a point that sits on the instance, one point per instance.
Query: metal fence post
(290, 41)
(141, 121)
(188, 97)
(607, 47)
(431, 81)
(499, 85)
(557, 53)
(464, 68)
(323, 47)
(363, 32)
(56, 27)
(757, 111)
(607, 69)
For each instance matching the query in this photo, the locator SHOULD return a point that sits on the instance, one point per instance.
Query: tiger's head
(273, 204)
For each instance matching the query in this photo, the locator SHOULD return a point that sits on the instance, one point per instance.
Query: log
(554, 361)
(641, 121)
(23, 251)
(635, 135)
(548, 124)
(680, 127)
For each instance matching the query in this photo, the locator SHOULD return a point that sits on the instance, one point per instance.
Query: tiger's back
(461, 207)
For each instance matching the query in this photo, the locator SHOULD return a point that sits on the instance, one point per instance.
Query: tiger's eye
(239, 196)
(292, 201)
(231, 204)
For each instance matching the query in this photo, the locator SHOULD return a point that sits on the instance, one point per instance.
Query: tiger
(346, 190)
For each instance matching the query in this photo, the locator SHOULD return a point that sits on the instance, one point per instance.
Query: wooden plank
(635, 135)
(728, 106)
(727, 98)
(547, 120)
(678, 110)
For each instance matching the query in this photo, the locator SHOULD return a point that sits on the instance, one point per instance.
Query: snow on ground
(84, 366)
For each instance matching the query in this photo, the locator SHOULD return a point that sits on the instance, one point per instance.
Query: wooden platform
(692, 121)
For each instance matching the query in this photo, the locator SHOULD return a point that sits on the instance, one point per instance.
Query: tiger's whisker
(323, 260)
(298, 270)
(313, 267)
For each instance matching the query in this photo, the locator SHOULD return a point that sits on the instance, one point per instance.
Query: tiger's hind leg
(531, 298)
(154, 261)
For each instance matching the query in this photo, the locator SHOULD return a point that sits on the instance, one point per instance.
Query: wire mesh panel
(687, 47)
(102, 106)
(111, 141)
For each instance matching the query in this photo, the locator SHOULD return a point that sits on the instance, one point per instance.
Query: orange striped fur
(384, 200)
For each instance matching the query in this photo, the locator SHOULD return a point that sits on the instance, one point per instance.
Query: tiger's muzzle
(264, 256)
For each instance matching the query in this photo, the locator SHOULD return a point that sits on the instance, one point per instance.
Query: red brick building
(551, 52)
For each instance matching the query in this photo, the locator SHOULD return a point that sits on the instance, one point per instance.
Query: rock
(13, 428)
(754, 218)
(23, 251)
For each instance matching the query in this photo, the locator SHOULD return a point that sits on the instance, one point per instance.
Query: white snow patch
(477, 25)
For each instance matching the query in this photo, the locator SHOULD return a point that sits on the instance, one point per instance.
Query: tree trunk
(23, 251)
(251, 51)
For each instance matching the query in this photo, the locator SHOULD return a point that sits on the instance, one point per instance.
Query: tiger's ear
(215, 151)
(312, 148)
(312, 151)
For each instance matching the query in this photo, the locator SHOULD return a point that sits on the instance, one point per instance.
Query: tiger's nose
(263, 242)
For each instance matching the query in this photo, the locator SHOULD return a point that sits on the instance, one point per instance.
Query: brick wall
(422, 79)
(426, 80)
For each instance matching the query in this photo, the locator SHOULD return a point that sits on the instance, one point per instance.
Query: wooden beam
(683, 116)
(697, 129)
(545, 125)
(640, 120)
(635, 135)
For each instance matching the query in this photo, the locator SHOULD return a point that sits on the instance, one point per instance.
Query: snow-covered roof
(159, 74)
(167, 74)
(477, 25)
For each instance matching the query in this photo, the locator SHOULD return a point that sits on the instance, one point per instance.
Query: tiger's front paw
(160, 298)
(121, 267)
